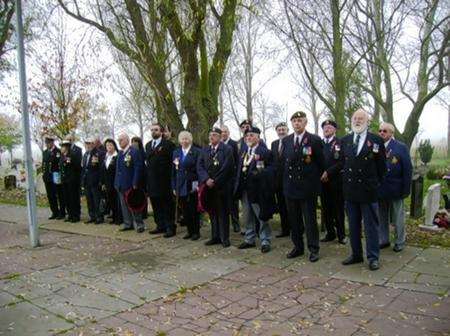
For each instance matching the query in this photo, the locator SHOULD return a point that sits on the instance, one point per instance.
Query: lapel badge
(394, 160)
(376, 148)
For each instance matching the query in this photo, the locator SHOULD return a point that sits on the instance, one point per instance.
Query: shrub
(425, 151)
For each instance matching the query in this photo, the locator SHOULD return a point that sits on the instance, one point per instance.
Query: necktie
(297, 142)
(153, 144)
(279, 147)
(356, 144)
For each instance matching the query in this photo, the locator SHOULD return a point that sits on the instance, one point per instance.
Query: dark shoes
(342, 241)
(60, 217)
(294, 253)
(385, 245)
(374, 265)
(169, 233)
(67, 220)
(265, 248)
(282, 234)
(74, 220)
(246, 245)
(226, 244)
(195, 236)
(327, 239)
(236, 228)
(352, 260)
(313, 257)
(397, 248)
(52, 217)
(212, 242)
(156, 231)
(140, 230)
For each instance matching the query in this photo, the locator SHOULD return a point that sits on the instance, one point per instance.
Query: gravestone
(416, 196)
(431, 207)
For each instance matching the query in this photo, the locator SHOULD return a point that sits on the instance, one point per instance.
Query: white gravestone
(431, 207)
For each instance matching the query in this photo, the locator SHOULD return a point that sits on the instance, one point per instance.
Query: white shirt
(328, 140)
(156, 142)
(185, 151)
(251, 150)
(226, 141)
(299, 136)
(126, 149)
(362, 139)
(109, 158)
(386, 144)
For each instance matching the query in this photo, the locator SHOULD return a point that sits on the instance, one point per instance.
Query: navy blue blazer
(302, 167)
(363, 173)
(93, 168)
(218, 166)
(129, 167)
(186, 173)
(397, 183)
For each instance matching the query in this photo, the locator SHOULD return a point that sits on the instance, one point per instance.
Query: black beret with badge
(329, 122)
(252, 129)
(281, 124)
(216, 130)
(245, 122)
(298, 114)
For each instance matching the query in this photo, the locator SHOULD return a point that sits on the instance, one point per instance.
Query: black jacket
(108, 174)
(218, 166)
(334, 160)
(50, 163)
(363, 173)
(92, 171)
(158, 163)
(302, 166)
(278, 163)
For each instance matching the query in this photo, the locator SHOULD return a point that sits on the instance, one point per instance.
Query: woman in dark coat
(138, 144)
(185, 183)
(108, 174)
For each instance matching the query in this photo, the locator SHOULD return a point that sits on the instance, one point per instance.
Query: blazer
(50, 163)
(218, 166)
(363, 173)
(333, 162)
(184, 170)
(278, 163)
(109, 173)
(234, 146)
(159, 168)
(93, 167)
(397, 182)
(302, 166)
(129, 167)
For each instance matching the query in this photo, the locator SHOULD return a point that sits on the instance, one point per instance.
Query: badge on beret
(376, 148)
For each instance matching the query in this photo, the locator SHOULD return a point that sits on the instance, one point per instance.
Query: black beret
(281, 124)
(252, 129)
(215, 130)
(298, 114)
(49, 138)
(245, 122)
(329, 122)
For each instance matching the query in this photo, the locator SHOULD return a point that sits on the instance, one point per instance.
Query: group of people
(363, 174)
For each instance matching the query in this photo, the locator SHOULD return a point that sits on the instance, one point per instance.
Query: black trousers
(332, 200)
(191, 217)
(112, 200)
(55, 198)
(164, 212)
(302, 217)
(71, 200)
(220, 216)
(93, 197)
(282, 210)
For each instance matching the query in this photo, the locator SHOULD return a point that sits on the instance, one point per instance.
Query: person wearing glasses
(364, 168)
(394, 189)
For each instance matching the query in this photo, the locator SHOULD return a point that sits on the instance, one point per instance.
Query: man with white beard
(364, 170)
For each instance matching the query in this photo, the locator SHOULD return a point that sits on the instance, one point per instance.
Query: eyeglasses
(382, 131)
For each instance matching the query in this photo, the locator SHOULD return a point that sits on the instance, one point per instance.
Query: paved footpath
(90, 280)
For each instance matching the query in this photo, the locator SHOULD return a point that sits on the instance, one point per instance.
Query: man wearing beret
(394, 189)
(363, 171)
(254, 187)
(303, 161)
(52, 178)
(332, 198)
(91, 177)
(282, 130)
(215, 168)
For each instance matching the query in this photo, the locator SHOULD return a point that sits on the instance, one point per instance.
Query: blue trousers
(367, 214)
